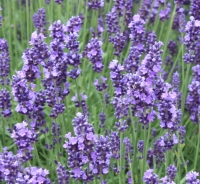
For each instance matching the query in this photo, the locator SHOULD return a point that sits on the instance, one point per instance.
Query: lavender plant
(99, 91)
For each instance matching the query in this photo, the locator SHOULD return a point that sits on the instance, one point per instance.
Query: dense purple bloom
(154, 11)
(131, 63)
(101, 157)
(144, 11)
(150, 177)
(191, 178)
(94, 53)
(115, 144)
(170, 175)
(150, 41)
(24, 137)
(152, 62)
(33, 57)
(161, 146)
(118, 40)
(171, 172)
(141, 96)
(182, 20)
(57, 31)
(196, 72)
(191, 41)
(193, 100)
(5, 105)
(117, 77)
(4, 61)
(165, 13)
(74, 24)
(194, 9)
(39, 21)
(56, 110)
(169, 115)
(112, 22)
(121, 106)
(10, 166)
(95, 4)
(81, 148)
(137, 30)
(63, 174)
(23, 95)
(128, 8)
(36, 175)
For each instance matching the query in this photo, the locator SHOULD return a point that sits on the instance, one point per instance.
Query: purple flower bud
(58, 1)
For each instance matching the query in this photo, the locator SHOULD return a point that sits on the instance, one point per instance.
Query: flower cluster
(94, 53)
(24, 137)
(150, 177)
(39, 21)
(5, 104)
(191, 177)
(95, 4)
(191, 41)
(4, 62)
(170, 175)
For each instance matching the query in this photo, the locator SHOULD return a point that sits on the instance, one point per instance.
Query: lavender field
(99, 91)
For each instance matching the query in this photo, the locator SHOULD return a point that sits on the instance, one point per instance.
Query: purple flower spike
(191, 41)
(191, 178)
(74, 25)
(5, 103)
(95, 4)
(37, 175)
(194, 9)
(94, 53)
(39, 21)
(165, 14)
(150, 177)
(112, 22)
(63, 174)
(144, 11)
(4, 61)
(137, 29)
(24, 137)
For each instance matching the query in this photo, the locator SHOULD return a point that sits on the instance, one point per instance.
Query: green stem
(168, 33)
(197, 150)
